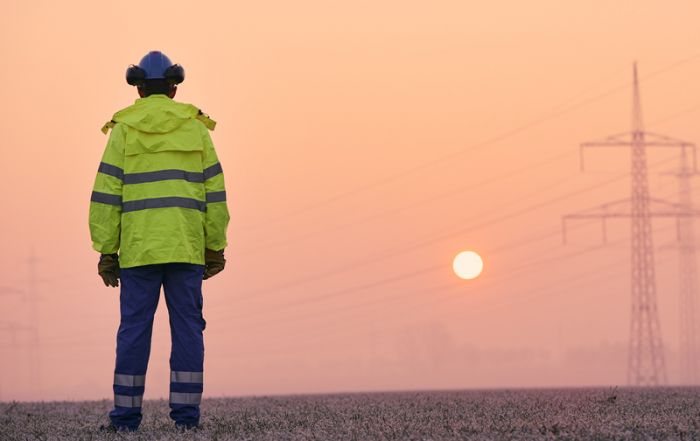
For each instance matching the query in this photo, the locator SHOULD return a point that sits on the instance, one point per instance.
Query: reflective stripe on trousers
(186, 387)
(128, 401)
(185, 398)
(186, 377)
(129, 380)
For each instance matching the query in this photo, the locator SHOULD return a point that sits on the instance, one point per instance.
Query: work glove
(108, 269)
(214, 262)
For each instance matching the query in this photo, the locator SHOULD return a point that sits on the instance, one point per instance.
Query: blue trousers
(138, 300)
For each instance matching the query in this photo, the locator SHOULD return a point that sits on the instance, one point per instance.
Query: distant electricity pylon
(10, 328)
(688, 279)
(13, 329)
(30, 297)
(646, 364)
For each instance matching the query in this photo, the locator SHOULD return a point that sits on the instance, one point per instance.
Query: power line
(326, 333)
(393, 279)
(439, 238)
(271, 244)
(512, 272)
(421, 271)
(265, 246)
(401, 277)
(673, 116)
(415, 204)
(574, 281)
(450, 156)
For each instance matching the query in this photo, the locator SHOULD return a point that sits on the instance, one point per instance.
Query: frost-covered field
(595, 414)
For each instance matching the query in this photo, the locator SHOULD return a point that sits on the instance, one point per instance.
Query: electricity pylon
(688, 279)
(11, 328)
(646, 364)
(30, 297)
(14, 330)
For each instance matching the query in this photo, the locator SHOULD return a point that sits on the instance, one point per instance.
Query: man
(159, 199)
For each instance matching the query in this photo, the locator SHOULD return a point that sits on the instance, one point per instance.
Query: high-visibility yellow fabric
(159, 194)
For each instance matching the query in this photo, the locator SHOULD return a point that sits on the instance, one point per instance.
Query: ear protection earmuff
(175, 74)
(135, 76)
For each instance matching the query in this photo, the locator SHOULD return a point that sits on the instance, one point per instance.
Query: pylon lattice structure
(14, 330)
(688, 279)
(646, 362)
(31, 343)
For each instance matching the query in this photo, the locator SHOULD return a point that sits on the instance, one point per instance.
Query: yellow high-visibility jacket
(159, 194)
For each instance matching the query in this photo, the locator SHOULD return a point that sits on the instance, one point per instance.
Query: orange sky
(335, 119)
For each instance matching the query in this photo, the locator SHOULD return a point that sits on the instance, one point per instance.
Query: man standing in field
(159, 199)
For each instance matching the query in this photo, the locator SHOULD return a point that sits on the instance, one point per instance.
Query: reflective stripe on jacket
(159, 195)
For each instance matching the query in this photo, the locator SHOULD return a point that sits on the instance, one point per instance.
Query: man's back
(161, 180)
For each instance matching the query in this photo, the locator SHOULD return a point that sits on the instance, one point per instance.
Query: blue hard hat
(155, 63)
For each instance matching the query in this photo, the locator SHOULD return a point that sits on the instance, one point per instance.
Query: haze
(364, 144)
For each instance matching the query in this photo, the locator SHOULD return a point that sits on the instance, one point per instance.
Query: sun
(467, 265)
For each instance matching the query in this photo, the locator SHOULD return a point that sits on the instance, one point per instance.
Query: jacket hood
(156, 114)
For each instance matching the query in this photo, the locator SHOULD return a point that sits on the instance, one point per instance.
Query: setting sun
(467, 265)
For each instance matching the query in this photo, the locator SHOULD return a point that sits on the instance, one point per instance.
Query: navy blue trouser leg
(182, 284)
(138, 300)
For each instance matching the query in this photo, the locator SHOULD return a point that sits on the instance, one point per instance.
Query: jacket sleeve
(216, 215)
(106, 199)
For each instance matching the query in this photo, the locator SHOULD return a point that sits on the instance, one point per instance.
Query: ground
(592, 414)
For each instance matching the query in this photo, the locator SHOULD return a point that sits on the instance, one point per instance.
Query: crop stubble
(534, 414)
